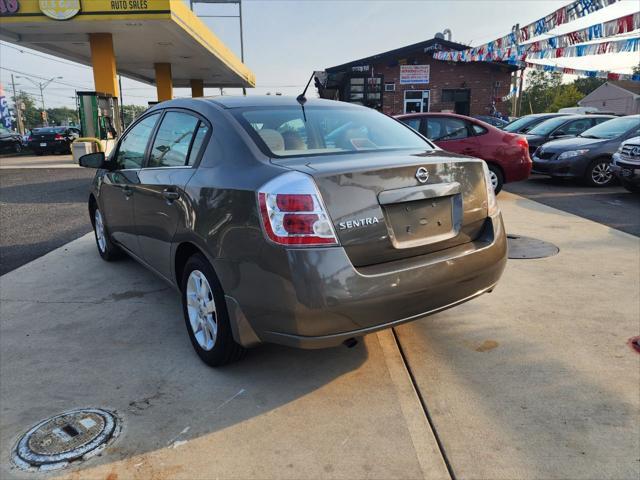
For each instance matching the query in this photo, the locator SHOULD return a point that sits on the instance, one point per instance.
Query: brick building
(409, 79)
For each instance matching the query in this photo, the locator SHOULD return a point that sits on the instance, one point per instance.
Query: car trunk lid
(382, 211)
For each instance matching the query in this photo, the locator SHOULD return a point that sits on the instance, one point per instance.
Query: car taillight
(58, 137)
(523, 143)
(292, 212)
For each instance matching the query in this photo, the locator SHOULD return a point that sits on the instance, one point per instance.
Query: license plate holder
(423, 222)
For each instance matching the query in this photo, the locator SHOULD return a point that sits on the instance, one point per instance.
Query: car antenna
(302, 99)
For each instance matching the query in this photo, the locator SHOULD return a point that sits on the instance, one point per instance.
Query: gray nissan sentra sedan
(306, 225)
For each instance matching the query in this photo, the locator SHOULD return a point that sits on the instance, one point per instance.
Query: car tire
(598, 173)
(108, 250)
(497, 177)
(205, 314)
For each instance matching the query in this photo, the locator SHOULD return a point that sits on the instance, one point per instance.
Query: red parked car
(506, 154)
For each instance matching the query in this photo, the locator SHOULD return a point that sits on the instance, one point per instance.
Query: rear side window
(133, 145)
(439, 129)
(173, 140)
(478, 130)
(198, 141)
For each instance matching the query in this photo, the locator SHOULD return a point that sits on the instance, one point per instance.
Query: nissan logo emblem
(422, 175)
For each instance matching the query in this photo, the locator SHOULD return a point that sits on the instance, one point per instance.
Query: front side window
(577, 126)
(134, 144)
(287, 131)
(171, 145)
(548, 126)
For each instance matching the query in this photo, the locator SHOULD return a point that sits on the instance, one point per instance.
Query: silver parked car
(304, 223)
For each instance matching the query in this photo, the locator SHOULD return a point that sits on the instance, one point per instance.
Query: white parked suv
(626, 164)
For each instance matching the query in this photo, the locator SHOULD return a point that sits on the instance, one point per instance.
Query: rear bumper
(326, 300)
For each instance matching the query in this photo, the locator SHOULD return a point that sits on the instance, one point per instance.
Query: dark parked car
(10, 141)
(626, 164)
(562, 127)
(491, 120)
(52, 139)
(506, 154)
(275, 230)
(526, 123)
(587, 156)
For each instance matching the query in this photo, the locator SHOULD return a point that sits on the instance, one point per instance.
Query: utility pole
(17, 107)
(122, 126)
(239, 16)
(514, 88)
(42, 86)
(244, 90)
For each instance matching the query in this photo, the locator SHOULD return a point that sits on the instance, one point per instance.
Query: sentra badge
(361, 222)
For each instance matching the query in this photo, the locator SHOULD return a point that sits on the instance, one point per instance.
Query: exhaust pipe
(350, 342)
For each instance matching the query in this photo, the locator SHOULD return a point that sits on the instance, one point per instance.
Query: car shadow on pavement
(113, 336)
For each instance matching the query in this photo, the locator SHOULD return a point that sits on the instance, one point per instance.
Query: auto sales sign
(414, 74)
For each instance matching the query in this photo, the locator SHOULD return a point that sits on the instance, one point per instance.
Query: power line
(78, 65)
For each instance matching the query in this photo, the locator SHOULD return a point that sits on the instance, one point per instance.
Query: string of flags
(510, 95)
(568, 13)
(583, 73)
(559, 46)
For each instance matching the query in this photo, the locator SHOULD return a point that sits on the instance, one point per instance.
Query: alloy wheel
(601, 173)
(494, 179)
(201, 309)
(100, 234)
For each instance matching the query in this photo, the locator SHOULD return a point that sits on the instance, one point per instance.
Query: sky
(285, 41)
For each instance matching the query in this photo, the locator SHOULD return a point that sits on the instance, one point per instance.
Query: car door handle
(170, 195)
(128, 191)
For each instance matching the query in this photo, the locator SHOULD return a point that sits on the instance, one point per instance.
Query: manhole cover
(67, 437)
(527, 247)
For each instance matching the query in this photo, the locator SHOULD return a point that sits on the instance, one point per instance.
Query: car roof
(434, 114)
(230, 101)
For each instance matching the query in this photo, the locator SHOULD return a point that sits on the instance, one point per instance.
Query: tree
(566, 96)
(62, 116)
(30, 114)
(587, 85)
(540, 91)
(131, 112)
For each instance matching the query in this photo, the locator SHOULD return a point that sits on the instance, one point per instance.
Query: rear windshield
(288, 131)
(50, 130)
(613, 128)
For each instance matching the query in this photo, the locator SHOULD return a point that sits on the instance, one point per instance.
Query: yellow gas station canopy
(145, 32)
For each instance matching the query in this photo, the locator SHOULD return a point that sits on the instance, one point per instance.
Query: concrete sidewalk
(532, 381)
(78, 332)
(536, 380)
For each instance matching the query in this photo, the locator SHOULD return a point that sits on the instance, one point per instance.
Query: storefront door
(416, 101)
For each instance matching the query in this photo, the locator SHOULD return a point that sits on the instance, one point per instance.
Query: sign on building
(414, 74)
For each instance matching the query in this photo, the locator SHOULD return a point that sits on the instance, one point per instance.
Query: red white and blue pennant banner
(568, 13)
(582, 73)
(559, 46)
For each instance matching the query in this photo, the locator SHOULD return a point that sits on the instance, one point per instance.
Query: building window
(416, 101)
(365, 91)
(460, 96)
(389, 87)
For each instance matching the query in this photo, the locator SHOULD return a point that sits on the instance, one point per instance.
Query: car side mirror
(94, 160)
(559, 133)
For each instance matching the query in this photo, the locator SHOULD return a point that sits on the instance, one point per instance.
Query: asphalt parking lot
(535, 380)
(40, 208)
(613, 206)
